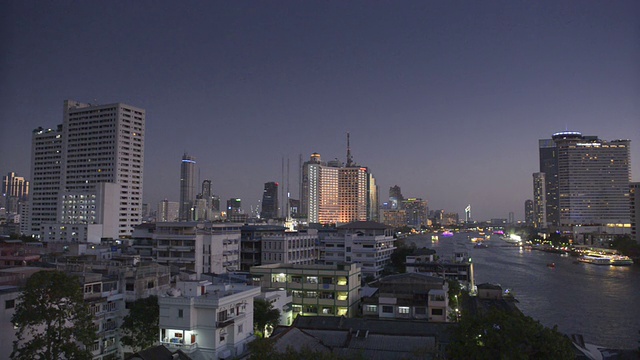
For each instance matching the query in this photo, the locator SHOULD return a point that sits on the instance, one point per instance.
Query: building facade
(270, 202)
(207, 321)
(188, 179)
(290, 247)
(95, 144)
(367, 243)
(317, 290)
(634, 197)
(540, 207)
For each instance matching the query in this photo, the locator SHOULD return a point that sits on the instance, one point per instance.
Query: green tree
(140, 326)
(264, 316)
(52, 319)
(506, 335)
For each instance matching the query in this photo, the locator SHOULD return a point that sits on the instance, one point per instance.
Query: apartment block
(317, 290)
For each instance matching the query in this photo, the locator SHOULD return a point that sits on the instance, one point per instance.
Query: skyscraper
(395, 197)
(549, 166)
(528, 212)
(634, 197)
(335, 193)
(188, 178)
(15, 189)
(96, 144)
(590, 177)
(539, 201)
(269, 208)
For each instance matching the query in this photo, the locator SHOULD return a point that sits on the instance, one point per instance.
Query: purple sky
(445, 98)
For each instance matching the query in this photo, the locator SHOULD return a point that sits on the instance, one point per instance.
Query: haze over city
(445, 99)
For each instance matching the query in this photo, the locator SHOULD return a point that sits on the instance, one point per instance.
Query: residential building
(188, 179)
(282, 301)
(290, 247)
(270, 203)
(528, 212)
(95, 144)
(317, 290)
(395, 218)
(251, 243)
(207, 321)
(408, 296)
(364, 242)
(540, 206)
(549, 167)
(365, 338)
(457, 267)
(201, 247)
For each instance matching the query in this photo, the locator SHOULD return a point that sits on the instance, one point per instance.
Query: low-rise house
(207, 321)
(408, 296)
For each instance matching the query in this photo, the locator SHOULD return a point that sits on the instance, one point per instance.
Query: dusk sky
(446, 99)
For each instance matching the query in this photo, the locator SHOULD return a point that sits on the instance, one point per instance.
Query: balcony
(175, 344)
(225, 323)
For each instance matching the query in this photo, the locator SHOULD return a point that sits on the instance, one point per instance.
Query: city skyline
(448, 101)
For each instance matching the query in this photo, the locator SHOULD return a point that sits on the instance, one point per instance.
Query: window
(327, 310)
(240, 328)
(437, 312)
(371, 308)
(9, 304)
(327, 280)
(403, 309)
(420, 311)
(387, 309)
(180, 313)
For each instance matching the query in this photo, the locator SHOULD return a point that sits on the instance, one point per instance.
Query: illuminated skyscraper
(188, 178)
(15, 189)
(528, 212)
(590, 177)
(539, 201)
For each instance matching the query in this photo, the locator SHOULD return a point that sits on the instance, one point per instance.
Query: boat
(551, 265)
(605, 259)
(480, 245)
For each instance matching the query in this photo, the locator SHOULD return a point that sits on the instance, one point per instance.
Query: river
(600, 302)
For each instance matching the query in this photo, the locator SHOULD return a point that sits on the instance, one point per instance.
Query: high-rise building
(467, 214)
(416, 212)
(528, 212)
(587, 180)
(540, 201)
(96, 144)
(269, 208)
(168, 211)
(15, 189)
(395, 197)
(188, 178)
(335, 193)
(46, 177)
(634, 197)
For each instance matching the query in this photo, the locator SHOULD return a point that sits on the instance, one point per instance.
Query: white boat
(606, 259)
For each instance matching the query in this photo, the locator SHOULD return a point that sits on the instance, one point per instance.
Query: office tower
(512, 218)
(234, 206)
(549, 167)
(46, 177)
(15, 189)
(96, 144)
(373, 203)
(269, 201)
(206, 190)
(395, 197)
(188, 178)
(540, 200)
(528, 212)
(308, 185)
(634, 197)
(467, 214)
(168, 211)
(415, 210)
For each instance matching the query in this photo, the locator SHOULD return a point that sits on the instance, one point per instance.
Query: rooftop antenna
(349, 158)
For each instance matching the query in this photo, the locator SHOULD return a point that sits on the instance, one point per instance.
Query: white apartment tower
(96, 144)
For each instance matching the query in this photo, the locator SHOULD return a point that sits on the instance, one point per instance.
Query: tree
(264, 316)
(140, 326)
(506, 335)
(52, 319)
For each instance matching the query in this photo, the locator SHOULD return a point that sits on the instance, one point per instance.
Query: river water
(600, 302)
